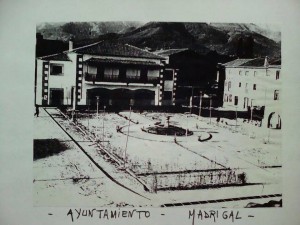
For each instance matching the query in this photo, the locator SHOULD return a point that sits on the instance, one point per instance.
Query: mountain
(240, 40)
(266, 41)
(83, 30)
(270, 31)
(162, 35)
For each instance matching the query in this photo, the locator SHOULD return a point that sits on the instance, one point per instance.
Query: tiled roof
(237, 62)
(127, 62)
(257, 62)
(168, 52)
(106, 48)
(56, 57)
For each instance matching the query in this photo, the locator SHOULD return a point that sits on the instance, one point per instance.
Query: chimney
(70, 45)
(266, 63)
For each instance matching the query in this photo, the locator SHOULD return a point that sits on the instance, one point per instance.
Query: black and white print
(157, 114)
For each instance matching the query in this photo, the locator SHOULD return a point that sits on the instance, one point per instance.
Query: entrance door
(56, 97)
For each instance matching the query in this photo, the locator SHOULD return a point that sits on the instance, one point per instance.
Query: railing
(113, 78)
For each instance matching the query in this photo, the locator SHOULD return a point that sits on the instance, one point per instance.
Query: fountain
(166, 128)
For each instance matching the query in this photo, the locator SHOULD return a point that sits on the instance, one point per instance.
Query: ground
(70, 177)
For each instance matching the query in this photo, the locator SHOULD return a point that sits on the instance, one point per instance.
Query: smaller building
(253, 84)
(192, 73)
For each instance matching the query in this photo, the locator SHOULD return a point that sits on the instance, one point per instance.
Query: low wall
(193, 180)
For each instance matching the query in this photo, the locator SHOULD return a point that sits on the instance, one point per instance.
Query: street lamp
(97, 106)
(187, 125)
(191, 100)
(200, 104)
(236, 118)
(97, 129)
(125, 151)
(210, 103)
(103, 122)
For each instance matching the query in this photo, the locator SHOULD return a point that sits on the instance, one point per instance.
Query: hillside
(243, 40)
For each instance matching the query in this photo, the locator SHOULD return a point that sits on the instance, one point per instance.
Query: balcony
(114, 78)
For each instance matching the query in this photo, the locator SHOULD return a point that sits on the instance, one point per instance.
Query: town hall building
(119, 74)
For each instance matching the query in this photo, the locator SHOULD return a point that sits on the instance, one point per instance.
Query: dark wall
(197, 73)
(48, 47)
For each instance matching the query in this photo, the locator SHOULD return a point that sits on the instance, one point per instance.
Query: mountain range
(223, 38)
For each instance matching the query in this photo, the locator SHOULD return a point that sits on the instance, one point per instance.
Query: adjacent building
(254, 83)
(193, 73)
(120, 74)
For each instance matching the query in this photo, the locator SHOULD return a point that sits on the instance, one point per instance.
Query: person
(37, 111)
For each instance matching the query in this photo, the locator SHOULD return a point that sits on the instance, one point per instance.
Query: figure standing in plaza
(37, 111)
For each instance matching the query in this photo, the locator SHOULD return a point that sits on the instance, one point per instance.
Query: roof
(127, 62)
(106, 48)
(56, 57)
(236, 62)
(257, 62)
(168, 52)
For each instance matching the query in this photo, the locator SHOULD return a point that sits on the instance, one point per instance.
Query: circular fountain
(166, 128)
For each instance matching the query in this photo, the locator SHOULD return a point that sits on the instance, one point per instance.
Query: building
(252, 84)
(194, 73)
(120, 74)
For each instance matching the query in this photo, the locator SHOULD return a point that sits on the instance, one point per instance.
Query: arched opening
(120, 97)
(103, 94)
(274, 121)
(143, 97)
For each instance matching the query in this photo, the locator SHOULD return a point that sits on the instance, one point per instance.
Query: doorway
(56, 96)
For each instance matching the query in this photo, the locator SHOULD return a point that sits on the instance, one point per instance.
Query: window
(230, 98)
(247, 73)
(254, 86)
(133, 72)
(240, 84)
(255, 73)
(56, 69)
(277, 74)
(240, 72)
(229, 85)
(276, 95)
(225, 98)
(236, 100)
(168, 75)
(111, 72)
(268, 72)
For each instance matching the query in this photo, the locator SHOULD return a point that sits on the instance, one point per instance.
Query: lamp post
(200, 104)
(191, 100)
(103, 122)
(235, 117)
(88, 115)
(97, 129)
(187, 125)
(125, 151)
(210, 103)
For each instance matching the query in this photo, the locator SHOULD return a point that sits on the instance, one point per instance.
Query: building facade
(253, 83)
(119, 74)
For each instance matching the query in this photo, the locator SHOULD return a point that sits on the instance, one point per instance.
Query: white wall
(65, 81)
(266, 84)
(39, 72)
